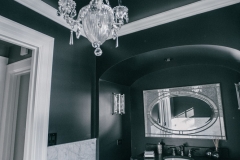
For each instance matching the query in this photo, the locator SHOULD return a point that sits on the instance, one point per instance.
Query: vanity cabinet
(161, 158)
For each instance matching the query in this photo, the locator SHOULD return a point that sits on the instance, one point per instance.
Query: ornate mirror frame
(213, 128)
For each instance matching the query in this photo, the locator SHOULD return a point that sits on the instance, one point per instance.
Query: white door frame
(11, 95)
(36, 135)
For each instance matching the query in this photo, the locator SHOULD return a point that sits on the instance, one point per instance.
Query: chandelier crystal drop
(98, 21)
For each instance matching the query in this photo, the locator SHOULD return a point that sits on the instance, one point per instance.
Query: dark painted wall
(217, 27)
(113, 127)
(14, 54)
(187, 76)
(4, 50)
(73, 73)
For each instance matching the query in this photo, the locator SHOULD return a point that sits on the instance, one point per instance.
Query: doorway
(35, 143)
(14, 77)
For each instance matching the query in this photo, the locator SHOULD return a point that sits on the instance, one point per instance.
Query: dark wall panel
(113, 127)
(72, 74)
(188, 76)
(14, 54)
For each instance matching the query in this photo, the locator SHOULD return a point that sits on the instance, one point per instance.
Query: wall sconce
(118, 104)
(237, 86)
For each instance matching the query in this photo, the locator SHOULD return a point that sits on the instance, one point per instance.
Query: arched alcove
(129, 70)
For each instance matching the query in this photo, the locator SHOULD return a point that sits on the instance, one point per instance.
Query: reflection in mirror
(184, 112)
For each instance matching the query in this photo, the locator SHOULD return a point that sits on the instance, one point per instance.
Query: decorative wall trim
(39, 89)
(142, 24)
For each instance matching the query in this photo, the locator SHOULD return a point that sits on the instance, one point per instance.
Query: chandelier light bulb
(98, 21)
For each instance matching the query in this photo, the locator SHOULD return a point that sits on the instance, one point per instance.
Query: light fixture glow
(97, 20)
(167, 59)
(118, 104)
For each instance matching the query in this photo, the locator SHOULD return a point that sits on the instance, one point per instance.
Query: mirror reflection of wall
(182, 113)
(190, 107)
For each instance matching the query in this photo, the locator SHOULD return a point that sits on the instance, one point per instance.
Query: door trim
(36, 135)
(11, 95)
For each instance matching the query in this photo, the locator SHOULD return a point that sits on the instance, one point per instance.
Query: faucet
(190, 151)
(173, 150)
(181, 149)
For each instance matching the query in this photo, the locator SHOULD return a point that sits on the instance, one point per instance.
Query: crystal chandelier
(98, 20)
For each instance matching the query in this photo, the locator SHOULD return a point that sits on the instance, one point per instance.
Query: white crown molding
(142, 24)
(175, 14)
(45, 10)
(36, 134)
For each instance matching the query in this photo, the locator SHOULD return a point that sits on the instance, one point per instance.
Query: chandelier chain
(119, 2)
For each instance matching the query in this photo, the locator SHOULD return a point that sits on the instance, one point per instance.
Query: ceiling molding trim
(142, 24)
(175, 14)
(44, 9)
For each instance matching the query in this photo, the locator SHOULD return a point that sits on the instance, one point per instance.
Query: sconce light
(237, 86)
(118, 104)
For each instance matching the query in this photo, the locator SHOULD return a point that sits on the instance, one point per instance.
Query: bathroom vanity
(157, 157)
(193, 112)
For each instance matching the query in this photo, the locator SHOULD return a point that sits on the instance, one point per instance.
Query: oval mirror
(184, 112)
(187, 113)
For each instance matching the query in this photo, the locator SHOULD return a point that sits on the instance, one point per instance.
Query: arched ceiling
(128, 71)
(183, 40)
(220, 27)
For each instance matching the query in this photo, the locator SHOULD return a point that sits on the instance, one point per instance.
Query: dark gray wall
(187, 76)
(218, 27)
(14, 54)
(113, 127)
(73, 73)
(3, 50)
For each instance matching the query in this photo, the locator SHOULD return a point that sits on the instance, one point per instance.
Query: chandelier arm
(71, 38)
(67, 9)
(107, 2)
(117, 42)
(78, 32)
